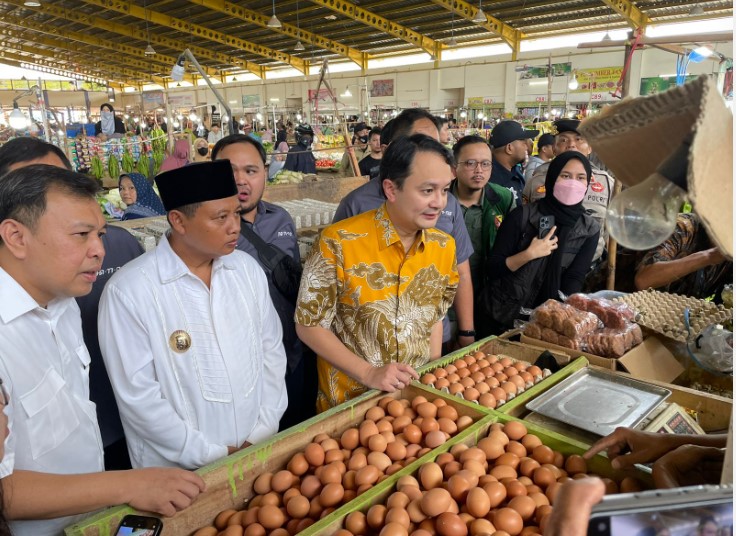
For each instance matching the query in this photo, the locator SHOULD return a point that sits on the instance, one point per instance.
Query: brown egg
(514, 447)
(576, 464)
(510, 389)
(478, 502)
(435, 439)
(329, 444)
(552, 490)
(482, 361)
(436, 501)
(377, 443)
(330, 474)
(509, 520)
(519, 382)
(414, 509)
(440, 372)
(481, 526)
(367, 430)
(456, 388)
(508, 458)
(426, 409)
(384, 426)
(453, 378)
(223, 517)
(540, 499)
(541, 512)
(528, 378)
(430, 475)
(282, 481)
(463, 422)
(314, 454)
(482, 387)
(505, 361)
(497, 367)
(535, 371)
(629, 485)
(298, 464)
(465, 376)
(262, 484)
(441, 383)
(356, 523)
(460, 363)
(451, 468)
(271, 517)
(543, 454)
(375, 413)
(530, 441)
(514, 488)
(511, 371)
(503, 471)
(458, 487)
(501, 377)
(400, 423)
(376, 516)
(393, 529)
(499, 394)
(272, 498)
(428, 379)
(429, 424)
(207, 531)
(496, 493)
(487, 400)
(233, 530)
(527, 466)
(515, 430)
(471, 393)
(478, 376)
(357, 461)
(524, 505)
(367, 475)
(449, 524)
(559, 460)
(492, 382)
(447, 425)
(412, 450)
(298, 507)
(396, 451)
(492, 447)
(520, 365)
(543, 477)
(398, 515)
(384, 401)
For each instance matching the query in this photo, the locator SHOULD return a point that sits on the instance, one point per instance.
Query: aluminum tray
(598, 402)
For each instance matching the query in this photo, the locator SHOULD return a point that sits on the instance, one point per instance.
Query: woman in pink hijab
(179, 158)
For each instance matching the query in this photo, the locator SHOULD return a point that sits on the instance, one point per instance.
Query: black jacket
(119, 126)
(506, 293)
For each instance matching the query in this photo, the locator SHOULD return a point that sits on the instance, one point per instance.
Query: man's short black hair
(238, 138)
(387, 132)
(374, 132)
(467, 140)
(398, 158)
(23, 191)
(439, 120)
(20, 150)
(404, 122)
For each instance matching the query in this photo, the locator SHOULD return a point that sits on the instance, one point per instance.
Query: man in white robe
(190, 337)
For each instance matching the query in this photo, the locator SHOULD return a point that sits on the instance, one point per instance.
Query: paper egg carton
(309, 212)
(665, 313)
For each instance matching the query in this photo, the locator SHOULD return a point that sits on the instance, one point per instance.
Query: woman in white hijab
(109, 125)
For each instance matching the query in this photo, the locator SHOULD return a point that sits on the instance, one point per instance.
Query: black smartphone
(666, 512)
(140, 526)
(545, 225)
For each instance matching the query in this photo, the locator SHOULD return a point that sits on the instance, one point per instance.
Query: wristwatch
(466, 333)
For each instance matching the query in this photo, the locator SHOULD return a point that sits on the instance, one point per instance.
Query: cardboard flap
(652, 360)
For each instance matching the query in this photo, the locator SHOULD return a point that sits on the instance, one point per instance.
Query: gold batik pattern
(380, 301)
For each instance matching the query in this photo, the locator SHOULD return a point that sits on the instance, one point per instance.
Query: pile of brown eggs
(490, 380)
(505, 485)
(331, 472)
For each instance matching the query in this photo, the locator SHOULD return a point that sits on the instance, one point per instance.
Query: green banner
(657, 84)
(542, 71)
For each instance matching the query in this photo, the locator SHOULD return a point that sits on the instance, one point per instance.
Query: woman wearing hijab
(140, 199)
(109, 124)
(278, 158)
(178, 158)
(524, 270)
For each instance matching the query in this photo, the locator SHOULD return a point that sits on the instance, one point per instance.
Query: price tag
(541, 99)
(596, 96)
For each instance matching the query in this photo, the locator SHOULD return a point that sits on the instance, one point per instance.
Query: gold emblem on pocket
(180, 341)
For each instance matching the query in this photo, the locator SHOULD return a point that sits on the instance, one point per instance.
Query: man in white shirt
(189, 334)
(50, 252)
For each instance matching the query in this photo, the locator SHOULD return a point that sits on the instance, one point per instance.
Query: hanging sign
(597, 80)
(152, 99)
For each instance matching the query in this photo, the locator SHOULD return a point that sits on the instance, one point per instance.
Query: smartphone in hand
(545, 225)
(132, 525)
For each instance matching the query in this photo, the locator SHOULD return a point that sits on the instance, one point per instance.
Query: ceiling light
(452, 42)
(479, 17)
(32, 3)
(149, 50)
(274, 22)
(299, 46)
(606, 37)
(695, 11)
(17, 118)
(346, 93)
(705, 52)
(234, 79)
(573, 82)
(330, 17)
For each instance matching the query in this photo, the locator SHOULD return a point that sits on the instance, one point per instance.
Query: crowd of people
(138, 368)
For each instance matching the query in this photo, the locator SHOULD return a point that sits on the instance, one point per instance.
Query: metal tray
(598, 402)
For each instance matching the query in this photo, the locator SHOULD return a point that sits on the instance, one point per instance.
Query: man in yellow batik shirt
(376, 286)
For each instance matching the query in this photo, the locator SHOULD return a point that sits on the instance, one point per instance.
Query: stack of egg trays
(599, 465)
(516, 405)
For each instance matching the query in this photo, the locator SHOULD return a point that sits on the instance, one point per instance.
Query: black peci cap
(196, 183)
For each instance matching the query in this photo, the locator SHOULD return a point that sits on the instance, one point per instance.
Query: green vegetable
(113, 167)
(158, 140)
(127, 162)
(142, 165)
(97, 167)
(158, 159)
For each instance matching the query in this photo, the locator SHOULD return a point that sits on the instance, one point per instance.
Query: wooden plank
(230, 480)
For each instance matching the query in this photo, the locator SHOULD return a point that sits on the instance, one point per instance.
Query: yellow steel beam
(253, 17)
(123, 52)
(142, 35)
(128, 8)
(101, 64)
(632, 14)
(508, 33)
(351, 11)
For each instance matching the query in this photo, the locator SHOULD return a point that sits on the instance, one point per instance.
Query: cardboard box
(230, 480)
(651, 360)
(379, 495)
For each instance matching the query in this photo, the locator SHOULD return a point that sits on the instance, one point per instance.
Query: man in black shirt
(508, 140)
(371, 162)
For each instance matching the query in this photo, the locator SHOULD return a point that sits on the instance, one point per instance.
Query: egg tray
(599, 465)
(664, 313)
(230, 480)
(516, 352)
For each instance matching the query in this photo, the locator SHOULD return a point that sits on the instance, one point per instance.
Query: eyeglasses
(472, 164)
(4, 396)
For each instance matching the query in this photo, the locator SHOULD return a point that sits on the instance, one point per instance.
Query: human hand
(463, 341)
(715, 256)
(245, 445)
(162, 490)
(542, 247)
(391, 377)
(689, 465)
(643, 447)
(573, 505)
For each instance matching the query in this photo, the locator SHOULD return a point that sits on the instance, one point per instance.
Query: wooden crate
(330, 190)
(519, 352)
(599, 465)
(230, 480)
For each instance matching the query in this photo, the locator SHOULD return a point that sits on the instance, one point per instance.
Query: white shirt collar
(171, 267)
(15, 301)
